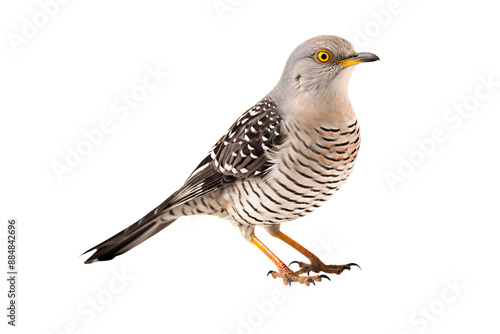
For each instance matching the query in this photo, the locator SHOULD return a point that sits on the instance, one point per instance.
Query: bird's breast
(325, 147)
(307, 169)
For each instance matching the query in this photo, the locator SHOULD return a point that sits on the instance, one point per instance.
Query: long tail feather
(130, 237)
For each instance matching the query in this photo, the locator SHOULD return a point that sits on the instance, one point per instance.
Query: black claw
(289, 282)
(308, 271)
(345, 267)
(270, 271)
(311, 281)
(324, 276)
(294, 262)
(354, 264)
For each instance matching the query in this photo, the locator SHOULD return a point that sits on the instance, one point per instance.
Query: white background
(435, 227)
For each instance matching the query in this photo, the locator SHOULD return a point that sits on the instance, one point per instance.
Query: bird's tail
(130, 237)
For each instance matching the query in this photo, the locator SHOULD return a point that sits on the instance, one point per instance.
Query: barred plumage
(309, 166)
(279, 161)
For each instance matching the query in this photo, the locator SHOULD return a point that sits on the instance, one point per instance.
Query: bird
(280, 160)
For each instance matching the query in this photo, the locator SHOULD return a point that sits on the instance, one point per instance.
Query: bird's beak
(362, 57)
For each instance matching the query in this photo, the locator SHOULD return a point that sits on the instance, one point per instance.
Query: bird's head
(319, 67)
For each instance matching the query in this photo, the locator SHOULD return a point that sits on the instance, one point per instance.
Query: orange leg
(281, 266)
(283, 271)
(316, 264)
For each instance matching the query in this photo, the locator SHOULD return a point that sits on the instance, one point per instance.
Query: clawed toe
(353, 264)
(304, 268)
(338, 269)
(289, 276)
(319, 266)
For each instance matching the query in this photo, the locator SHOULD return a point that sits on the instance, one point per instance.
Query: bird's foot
(318, 267)
(289, 276)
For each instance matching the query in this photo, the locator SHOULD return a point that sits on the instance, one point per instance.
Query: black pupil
(323, 56)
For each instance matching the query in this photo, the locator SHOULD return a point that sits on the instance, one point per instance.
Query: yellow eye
(323, 56)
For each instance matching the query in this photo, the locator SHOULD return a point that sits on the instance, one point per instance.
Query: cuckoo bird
(281, 159)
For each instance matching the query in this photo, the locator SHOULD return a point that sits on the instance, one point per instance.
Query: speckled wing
(242, 152)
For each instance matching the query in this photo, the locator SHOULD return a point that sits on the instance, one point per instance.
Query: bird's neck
(330, 108)
(331, 111)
